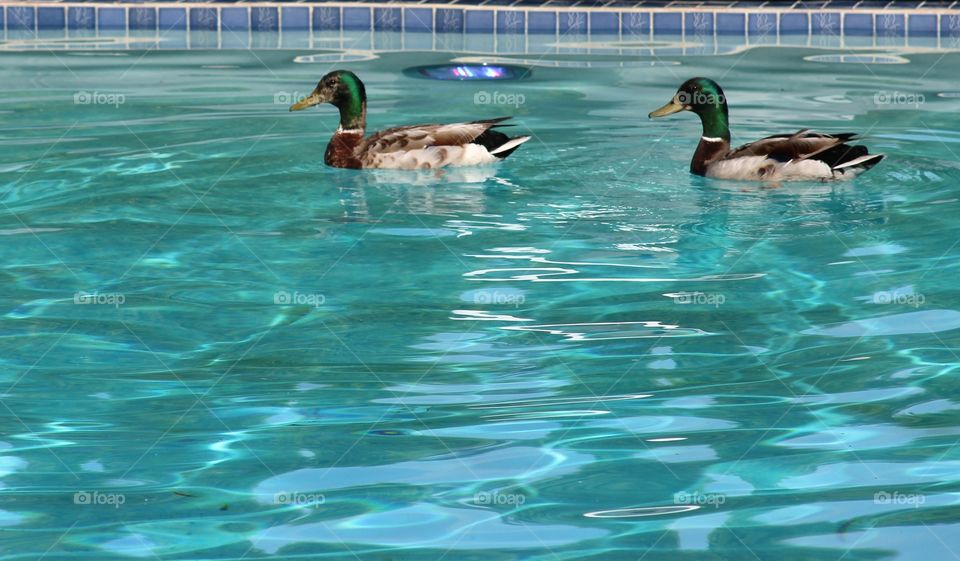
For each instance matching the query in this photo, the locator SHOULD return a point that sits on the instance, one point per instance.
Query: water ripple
(605, 331)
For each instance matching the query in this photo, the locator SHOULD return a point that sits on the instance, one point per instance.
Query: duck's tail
(497, 143)
(508, 147)
(846, 159)
(860, 163)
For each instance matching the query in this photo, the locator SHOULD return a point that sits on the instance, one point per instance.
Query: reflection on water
(584, 353)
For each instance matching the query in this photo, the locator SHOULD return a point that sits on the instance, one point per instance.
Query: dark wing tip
(490, 121)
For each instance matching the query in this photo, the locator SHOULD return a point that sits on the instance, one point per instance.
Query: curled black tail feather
(840, 154)
(491, 140)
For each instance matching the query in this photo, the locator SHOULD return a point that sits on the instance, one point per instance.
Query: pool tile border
(559, 17)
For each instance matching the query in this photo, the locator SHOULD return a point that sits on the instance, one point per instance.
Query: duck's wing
(801, 145)
(422, 136)
(801, 155)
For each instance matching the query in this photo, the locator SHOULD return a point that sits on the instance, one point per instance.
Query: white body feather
(757, 168)
(432, 146)
(432, 157)
(762, 168)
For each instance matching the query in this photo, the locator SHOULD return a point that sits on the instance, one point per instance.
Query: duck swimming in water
(803, 155)
(410, 147)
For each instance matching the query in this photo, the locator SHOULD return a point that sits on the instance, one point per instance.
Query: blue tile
(418, 19)
(825, 23)
(479, 21)
(857, 24)
(203, 19)
(572, 23)
(763, 24)
(293, 18)
(264, 19)
(448, 20)
(142, 18)
(21, 18)
(511, 21)
(635, 23)
(667, 22)
(356, 18)
(731, 24)
(234, 19)
(387, 19)
(81, 18)
(949, 26)
(890, 25)
(794, 23)
(922, 24)
(173, 18)
(111, 18)
(604, 22)
(698, 23)
(51, 18)
(325, 17)
(542, 22)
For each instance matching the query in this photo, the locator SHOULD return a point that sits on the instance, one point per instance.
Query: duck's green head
(344, 90)
(704, 97)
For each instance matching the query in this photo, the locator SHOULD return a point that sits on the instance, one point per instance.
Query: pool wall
(900, 19)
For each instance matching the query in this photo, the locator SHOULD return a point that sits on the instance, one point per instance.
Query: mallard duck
(411, 147)
(803, 155)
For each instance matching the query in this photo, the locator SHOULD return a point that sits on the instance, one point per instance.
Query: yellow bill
(306, 102)
(668, 109)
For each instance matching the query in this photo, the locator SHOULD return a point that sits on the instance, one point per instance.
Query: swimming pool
(215, 347)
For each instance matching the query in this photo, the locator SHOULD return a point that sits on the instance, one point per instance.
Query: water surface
(214, 347)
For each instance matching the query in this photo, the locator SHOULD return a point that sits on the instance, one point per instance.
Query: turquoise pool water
(214, 347)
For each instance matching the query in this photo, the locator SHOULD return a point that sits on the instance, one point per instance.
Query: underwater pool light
(469, 72)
